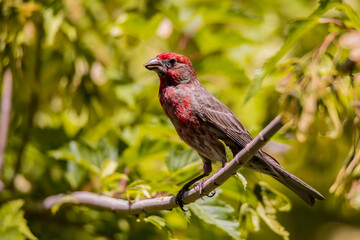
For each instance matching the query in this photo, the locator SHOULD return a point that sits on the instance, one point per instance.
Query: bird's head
(172, 68)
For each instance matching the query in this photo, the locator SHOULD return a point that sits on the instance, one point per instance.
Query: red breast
(176, 102)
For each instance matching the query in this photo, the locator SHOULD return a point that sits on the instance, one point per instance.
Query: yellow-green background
(85, 114)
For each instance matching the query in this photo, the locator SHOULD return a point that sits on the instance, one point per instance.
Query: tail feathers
(303, 190)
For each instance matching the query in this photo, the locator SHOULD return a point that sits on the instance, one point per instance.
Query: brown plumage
(201, 120)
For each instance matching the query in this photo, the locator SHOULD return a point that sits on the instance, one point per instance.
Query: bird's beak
(155, 64)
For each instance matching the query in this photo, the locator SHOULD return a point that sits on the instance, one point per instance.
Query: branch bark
(167, 203)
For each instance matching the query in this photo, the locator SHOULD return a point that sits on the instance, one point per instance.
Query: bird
(201, 121)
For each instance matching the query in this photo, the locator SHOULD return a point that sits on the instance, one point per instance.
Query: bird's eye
(172, 62)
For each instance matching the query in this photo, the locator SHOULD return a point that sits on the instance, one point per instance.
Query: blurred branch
(5, 114)
(163, 203)
(331, 20)
(355, 100)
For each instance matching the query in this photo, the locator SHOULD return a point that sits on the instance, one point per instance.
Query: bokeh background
(83, 114)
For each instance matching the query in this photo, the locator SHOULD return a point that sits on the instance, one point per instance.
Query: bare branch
(163, 203)
(5, 113)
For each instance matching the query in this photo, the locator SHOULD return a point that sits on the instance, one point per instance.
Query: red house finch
(201, 120)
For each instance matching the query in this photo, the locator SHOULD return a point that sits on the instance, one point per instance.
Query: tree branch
(167, 203)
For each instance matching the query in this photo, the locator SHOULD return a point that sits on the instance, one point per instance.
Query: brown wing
(212, 111)
(215, 113)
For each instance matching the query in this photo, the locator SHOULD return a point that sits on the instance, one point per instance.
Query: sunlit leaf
(217, 214)
(351, 13)
(272, 223)
(108, 167)
(81, 154)
(114, 177)
(52, 24)
(221, 13)
(218, 40)
(178, 158)
(229, 154)
(272, 198)
(299, 28)
(160, 223)
(156, 220)
(222, 65)
(137, 26)
(138, 188)
(12, 222)
(64, 199)
(248, 218)
(241, 179)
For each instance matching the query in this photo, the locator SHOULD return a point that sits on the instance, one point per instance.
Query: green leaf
(138, 188)
(223, 65)
(272, 198)
(160, 223)
(13, 225)
(137, 26)
(115, 177)
(11, 234)
(74, 174)
(108, 168)
(145, 149)
(248, 218)
(241, 179)
(216, 41)
(299, 28)
(64, 199)
(156, 220)
(79, 153)
(52, 24)
(88, 156)
(351, 13)
(128, 93)
(272, 223)
(100, 160)
(218, 214)
(229, 153)
(178, 158)
(221, 13)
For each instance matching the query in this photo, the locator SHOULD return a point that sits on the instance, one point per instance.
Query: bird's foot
(199, 185)
(212, 193)
(179, 198)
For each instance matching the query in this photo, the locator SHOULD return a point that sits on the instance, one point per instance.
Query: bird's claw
(199, 184)
(212, 193)
(179, 198)
(200, 187)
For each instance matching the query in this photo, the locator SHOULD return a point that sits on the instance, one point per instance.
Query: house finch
(201, 120)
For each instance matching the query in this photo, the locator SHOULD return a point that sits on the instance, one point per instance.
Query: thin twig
(331, 20)
(355, 100)
(163, 203)
(325, 44)
(5, 113)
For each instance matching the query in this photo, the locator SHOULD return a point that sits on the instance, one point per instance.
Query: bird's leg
(185, 188)
(207, 170)
(199, 183)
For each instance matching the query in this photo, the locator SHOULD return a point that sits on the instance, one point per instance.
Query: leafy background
(85, 115)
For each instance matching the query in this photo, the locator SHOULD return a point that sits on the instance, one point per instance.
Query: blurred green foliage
(85, 115)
